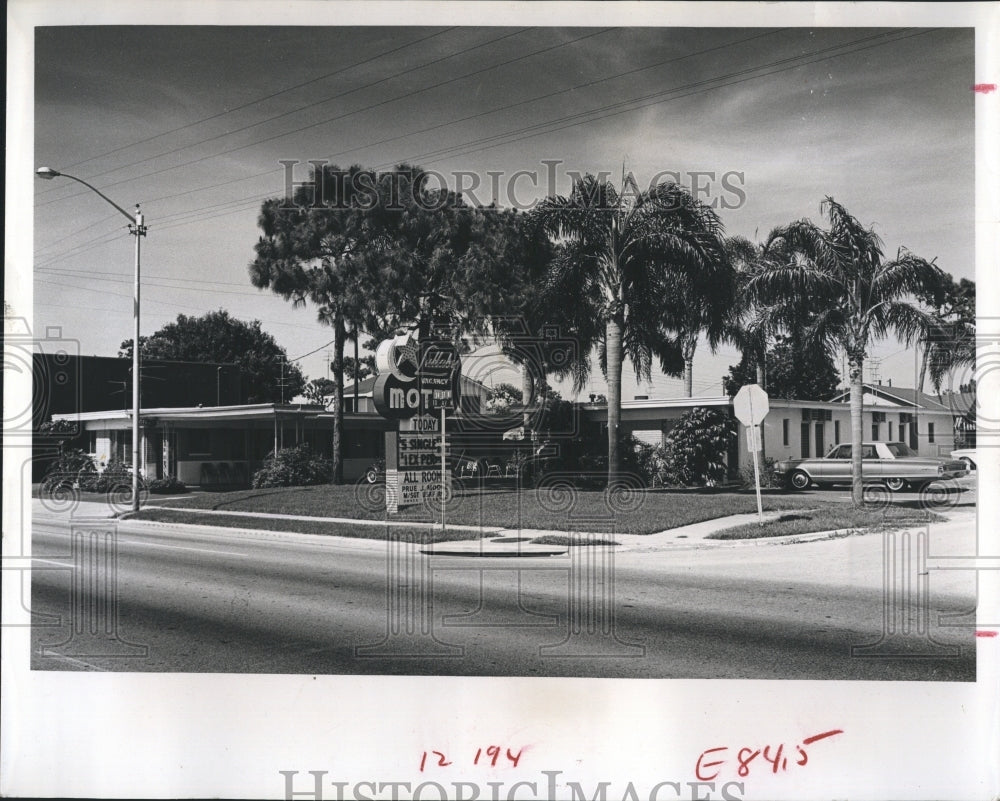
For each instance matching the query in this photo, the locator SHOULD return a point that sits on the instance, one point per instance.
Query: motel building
(805, 429)
(221, 447)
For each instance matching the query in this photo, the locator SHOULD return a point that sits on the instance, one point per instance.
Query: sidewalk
(483, 540)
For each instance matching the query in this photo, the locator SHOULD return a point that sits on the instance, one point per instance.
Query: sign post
(751, 407)
(444, 464)
(415, 379)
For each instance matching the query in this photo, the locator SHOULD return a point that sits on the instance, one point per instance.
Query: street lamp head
(47, 173)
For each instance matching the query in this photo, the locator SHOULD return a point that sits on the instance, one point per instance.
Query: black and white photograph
(445, 400)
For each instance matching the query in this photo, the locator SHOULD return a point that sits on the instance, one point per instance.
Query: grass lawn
(829, 518)
(381, 532)
(584, 510)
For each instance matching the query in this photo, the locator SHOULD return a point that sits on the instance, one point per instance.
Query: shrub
(768, 479)
(293, 467)
(171, 485)
(653, 464)
(73, 468)
(696, 448)
(116, 476)
(59, 427)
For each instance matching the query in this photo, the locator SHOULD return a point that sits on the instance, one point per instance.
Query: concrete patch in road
(504, 546)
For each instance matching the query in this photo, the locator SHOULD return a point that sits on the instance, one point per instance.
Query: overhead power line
(697, 87)
(370, 85)
(468, 118)
(258, 100)
(616, 109)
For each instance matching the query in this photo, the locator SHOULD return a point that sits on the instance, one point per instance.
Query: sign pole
(444, 468)
(756, 469)
(756, 480)
(751, 414)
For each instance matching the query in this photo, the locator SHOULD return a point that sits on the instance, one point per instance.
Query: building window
(836, 430)
(890, 431)
(784, 431)
(877, 419)
(930, 432)
(804, 440)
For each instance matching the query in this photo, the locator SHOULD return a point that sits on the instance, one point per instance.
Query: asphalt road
(161, 598)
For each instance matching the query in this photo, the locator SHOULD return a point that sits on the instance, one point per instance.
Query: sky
(195, 122)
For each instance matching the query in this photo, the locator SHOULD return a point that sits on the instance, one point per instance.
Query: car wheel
(371, 476)
(895, 484)
(800, 480)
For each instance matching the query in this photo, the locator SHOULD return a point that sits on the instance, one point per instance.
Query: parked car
(375, 471)
(967, 455)
(894, 464)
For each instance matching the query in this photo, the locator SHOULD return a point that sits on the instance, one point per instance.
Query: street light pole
(136, 228)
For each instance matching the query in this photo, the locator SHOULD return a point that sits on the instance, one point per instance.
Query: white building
(794, 428)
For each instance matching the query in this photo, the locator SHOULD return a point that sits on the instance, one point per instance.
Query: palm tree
(617, 260)
(744, 326)
(691, 312)
(856, 295)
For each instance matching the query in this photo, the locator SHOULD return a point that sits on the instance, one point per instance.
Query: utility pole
(137, 228)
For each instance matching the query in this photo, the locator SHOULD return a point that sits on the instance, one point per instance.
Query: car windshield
(898, 449)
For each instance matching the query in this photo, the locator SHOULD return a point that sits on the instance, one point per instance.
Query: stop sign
(750, 405)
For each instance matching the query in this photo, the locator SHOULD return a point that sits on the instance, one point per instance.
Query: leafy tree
(314, 252)
(950, 342)
(381, 252)
(365, 367)
(695, 449)
(860, 297)
(320, 391)
(618, 257)
(217, 337)
(502, 398)
(540, 335)
(803, 371)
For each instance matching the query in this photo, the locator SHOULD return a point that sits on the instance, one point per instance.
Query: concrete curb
(312, 519)
(479, 543)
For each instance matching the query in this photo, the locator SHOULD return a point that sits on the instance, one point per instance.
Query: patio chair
(492, 470)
